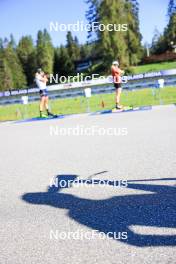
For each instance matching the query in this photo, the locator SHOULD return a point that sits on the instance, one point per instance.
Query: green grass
(154, 67)
(79, 104)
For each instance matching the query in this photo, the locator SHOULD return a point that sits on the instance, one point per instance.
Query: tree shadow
(119, 213)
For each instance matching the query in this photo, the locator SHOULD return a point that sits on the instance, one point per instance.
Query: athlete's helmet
(39, 70)
(115, 63)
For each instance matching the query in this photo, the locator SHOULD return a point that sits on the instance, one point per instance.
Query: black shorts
(43, 92)
(117, 85)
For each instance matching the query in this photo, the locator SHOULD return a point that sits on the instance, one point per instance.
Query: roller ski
(48, 115)
(121, 108)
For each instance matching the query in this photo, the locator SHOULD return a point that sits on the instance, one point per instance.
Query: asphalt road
(101, 218)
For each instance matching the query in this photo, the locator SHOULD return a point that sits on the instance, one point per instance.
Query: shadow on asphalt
(117, 214)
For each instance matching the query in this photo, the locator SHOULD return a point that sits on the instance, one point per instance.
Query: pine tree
(1, 43)
(134, 36)
(92, 16)
(73, 50)
(171, 8)
(168, 38)
(158, 43)
(13, 62)
(122, 45)
(76, 48)
(12, 41)
(5, 74)
(112, 44)
(170, 30)
(27, 55)
(62, 63)
(45, 51)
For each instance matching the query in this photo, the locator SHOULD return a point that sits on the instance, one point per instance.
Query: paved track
(146, 209)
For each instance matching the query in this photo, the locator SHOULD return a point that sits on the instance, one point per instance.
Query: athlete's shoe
(119, 107)
(50, 114)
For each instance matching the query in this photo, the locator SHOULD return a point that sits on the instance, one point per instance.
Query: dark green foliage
(5, 74)
(27, 55)
(45, 51)
(12, 62)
